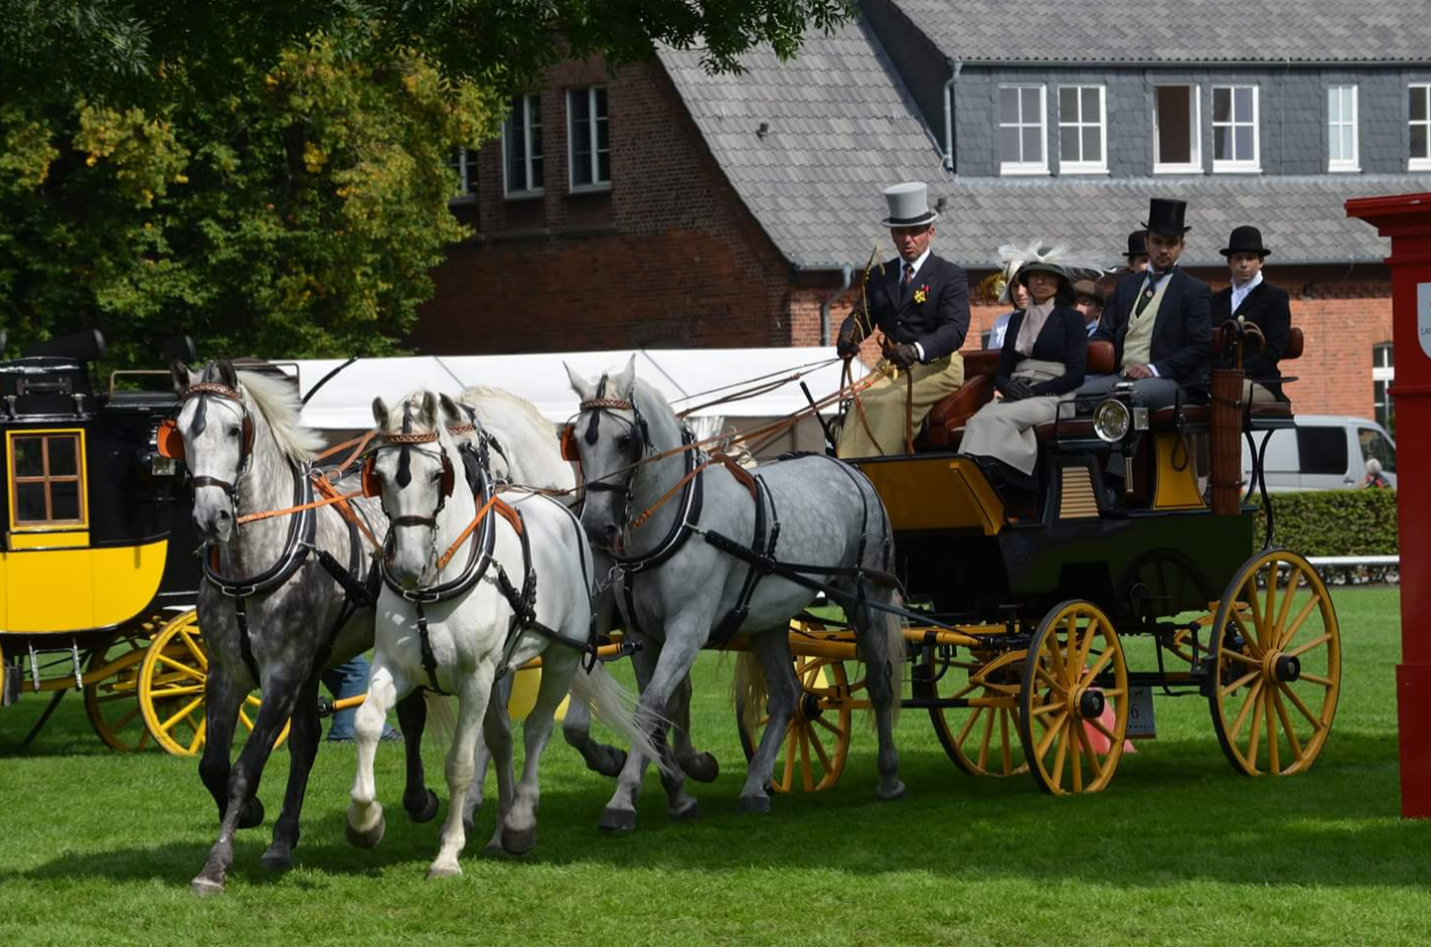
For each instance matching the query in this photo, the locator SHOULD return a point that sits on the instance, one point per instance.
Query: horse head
(217, 435)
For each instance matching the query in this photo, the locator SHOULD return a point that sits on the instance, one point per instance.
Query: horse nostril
(224, 515)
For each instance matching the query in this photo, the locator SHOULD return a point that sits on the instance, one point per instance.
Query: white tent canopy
(681, 375)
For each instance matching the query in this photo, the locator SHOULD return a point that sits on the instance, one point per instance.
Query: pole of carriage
(1406, 219)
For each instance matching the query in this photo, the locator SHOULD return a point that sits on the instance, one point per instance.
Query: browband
(621, 404)
(211, 388)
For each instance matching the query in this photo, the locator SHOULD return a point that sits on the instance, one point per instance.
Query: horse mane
(473, 395)
(279, 404)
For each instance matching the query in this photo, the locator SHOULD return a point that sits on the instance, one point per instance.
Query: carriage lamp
(161, 467)
(1112, 421)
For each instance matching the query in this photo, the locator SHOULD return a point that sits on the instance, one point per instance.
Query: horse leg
(881, 642)
(302, 749)
(471, 711)
(679, 804)
(222, 699)
(772, 650)
(501, 697)
(698, 765)
(417, 798)
(280, 693)
(519, 825)
(683, 642)
(365, 823)
(497, 739)
(576, 726)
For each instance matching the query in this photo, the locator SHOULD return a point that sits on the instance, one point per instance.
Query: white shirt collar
(918, 262)
(1240, 293)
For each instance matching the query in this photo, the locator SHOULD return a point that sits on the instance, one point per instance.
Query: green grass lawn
(98, 847)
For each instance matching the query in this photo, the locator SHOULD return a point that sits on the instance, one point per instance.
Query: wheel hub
(808, 708)
(1089, 704)
(1285, 668)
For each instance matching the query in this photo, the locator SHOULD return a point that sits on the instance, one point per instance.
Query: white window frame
(528, 100)
(1385, 374)
(1419, 163)
(1194, 165)
(593, 139)
(465, 165)
(1081, 123)
(1027, 167)
(1251, 165)
(1334, 127)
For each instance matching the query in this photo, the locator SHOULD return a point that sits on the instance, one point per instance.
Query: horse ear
(450, 409)
(429, 409)
(182, 375)
(380, 413)
(580, 386)
(227, 374)
(625, 379)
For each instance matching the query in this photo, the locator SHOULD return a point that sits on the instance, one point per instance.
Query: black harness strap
(759, 565)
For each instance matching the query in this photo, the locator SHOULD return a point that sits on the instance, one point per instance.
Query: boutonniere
(921, 294)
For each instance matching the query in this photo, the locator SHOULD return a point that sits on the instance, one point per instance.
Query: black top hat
(1137, 245)
(1165, 216)
(1245, 240)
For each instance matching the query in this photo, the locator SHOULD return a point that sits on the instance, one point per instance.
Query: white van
(1324, 452)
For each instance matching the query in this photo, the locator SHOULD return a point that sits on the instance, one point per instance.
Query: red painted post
(1406, 219)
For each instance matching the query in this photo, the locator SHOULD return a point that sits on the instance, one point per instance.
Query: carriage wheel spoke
(1247, 705)
(1249, 639)
(1075, 732)
(1296, 624)
(1307, 647)
(1273, 574)
(198, 741)
(1046, 709)
(176, 664)
(1254, 607)
(125, 719)
(969, 725)
(1102, 729)
(789, 782)
(820, 752)
(1319, 680)
(1041, 673)
(247, 722)
(1274, 741)
(1087, 645)
(1236, 684)
(1256, 735)
(1300, 705)
(1097, 669)
(1095, 767)
(1287, 725)
(195, 649)
(832, 729)
(1060, 754)
(805, 773)
(1008, 754)
(1070, 641)
(1288, 595)
(1243, 658)
(1041, 751)
(168, 724)
(169, 691)
(988, 737)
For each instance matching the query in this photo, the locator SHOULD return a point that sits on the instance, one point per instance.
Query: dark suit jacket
(939, 323)
(1064, 338)
(1182, 336)
(1269, 307)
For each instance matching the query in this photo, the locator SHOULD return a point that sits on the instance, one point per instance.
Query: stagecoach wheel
(112, 703)
(817, 742)
(1073, 708)
(983, 738)
(1278, 665)
(171, 689)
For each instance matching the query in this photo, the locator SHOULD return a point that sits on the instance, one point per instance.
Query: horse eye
(234, 431)
(623, 441)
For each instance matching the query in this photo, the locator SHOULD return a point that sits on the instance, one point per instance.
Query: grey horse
(270, 613)
(828, 513)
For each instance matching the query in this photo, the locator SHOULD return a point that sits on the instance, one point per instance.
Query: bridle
(171, 443)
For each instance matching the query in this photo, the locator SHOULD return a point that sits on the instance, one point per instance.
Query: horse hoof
(442, 873)
(689, 814)
(203, 886)
(494, 849)
(425, 811)
(615, 820)
(754, 805)
(890, 794)
(703, 768)
(518, 842)
(367, 839)
(277, 858)
(251, 814)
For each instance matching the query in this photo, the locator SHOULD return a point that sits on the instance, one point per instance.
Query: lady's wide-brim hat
(908, 205)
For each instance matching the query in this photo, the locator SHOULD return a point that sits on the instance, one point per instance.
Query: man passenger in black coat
(1256, 301)
(920, 302)
(1158, 321)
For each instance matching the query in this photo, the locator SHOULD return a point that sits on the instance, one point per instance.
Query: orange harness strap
(508, 513)
(742, 476)
(333, 499)
(326, 488)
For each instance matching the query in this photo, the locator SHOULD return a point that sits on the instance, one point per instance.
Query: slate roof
(1176, 31)
(1302, 218)
(841, 128)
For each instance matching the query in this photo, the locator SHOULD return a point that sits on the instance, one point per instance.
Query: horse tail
(748, 690)
(618, 709)
(441, 719)
(894, 652)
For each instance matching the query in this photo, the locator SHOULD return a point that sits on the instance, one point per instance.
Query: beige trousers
(1005, 430)
(884, 406)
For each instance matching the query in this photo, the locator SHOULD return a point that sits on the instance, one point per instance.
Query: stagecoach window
(46, 479)
(1323, 450)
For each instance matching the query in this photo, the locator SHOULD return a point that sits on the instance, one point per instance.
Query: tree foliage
(272, 177)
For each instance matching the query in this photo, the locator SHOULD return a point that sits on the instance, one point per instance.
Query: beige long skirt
(1005, 430)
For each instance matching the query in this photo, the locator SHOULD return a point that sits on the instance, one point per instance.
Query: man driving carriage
(920, 302)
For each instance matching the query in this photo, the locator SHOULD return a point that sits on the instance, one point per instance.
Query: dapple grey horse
(828, 514)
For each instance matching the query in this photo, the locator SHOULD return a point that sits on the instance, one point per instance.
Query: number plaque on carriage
(1140, 713)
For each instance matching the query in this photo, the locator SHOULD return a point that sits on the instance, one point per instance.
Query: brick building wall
(667, 257)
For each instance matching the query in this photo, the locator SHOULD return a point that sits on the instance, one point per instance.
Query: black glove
(903, 355)
(847, 346)
(1016, 390)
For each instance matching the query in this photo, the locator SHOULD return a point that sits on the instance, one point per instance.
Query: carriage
(97, 576)
(1030, 616)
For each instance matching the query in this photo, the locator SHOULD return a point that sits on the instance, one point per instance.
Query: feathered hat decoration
(1073, 265)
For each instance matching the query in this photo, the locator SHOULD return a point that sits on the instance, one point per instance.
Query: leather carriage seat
(1168, 419)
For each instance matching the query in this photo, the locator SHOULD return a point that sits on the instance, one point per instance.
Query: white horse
(450, 617)
(641, 505)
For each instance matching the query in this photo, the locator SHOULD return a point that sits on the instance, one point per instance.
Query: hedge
(1333, 523)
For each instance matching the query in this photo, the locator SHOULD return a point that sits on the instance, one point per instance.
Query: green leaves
(1334, 523)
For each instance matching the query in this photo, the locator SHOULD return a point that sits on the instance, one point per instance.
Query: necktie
(908, 279)
(1148, 293)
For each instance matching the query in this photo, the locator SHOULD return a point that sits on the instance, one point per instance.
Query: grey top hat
(908, 205)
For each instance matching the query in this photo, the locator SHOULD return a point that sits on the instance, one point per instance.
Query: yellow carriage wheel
(112, 703)
(983, 738)
(1278, 665)
(171, 689)
(817, 741)
(1073, 710)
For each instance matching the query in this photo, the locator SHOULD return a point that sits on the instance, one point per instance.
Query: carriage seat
(945, 424)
